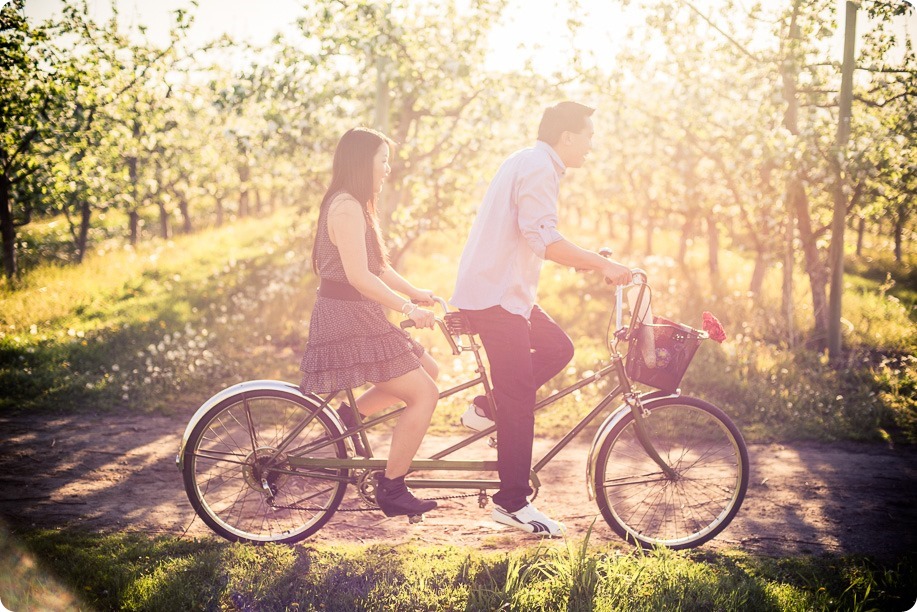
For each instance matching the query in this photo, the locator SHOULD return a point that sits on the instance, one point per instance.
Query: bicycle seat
(457, 324)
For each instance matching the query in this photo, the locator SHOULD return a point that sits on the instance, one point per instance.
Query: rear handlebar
(442, 324)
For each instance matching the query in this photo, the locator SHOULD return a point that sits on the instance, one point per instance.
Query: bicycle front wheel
(237, 473)
(702, 494)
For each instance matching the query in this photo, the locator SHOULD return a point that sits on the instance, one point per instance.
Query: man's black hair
(563, 117)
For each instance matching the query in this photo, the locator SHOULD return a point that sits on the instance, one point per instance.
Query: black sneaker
(345, 413)
(395, 498)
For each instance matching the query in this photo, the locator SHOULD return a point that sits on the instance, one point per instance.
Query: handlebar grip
(407, 323)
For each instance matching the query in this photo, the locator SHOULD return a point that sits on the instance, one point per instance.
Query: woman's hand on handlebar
(423, 318)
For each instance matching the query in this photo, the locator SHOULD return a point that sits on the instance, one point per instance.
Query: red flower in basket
(713, 327)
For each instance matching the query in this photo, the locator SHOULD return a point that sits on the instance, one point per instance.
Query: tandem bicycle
(263, 462)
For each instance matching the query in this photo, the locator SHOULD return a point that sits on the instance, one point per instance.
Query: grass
(149, 328)
(136, 572)
(165, 326)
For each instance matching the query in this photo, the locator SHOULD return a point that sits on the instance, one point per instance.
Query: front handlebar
(639, 278)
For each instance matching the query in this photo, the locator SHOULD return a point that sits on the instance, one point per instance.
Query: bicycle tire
(224, 468)
(707, 452)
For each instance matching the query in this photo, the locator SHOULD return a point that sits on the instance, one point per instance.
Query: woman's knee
(419, 390)
(428, 392)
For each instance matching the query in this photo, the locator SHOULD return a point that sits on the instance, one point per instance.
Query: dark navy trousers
(523, 354)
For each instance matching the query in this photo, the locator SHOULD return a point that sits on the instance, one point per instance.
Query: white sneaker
(528, 518)
(473, 419)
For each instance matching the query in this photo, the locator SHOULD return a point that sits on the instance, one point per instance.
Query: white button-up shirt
(516, 222)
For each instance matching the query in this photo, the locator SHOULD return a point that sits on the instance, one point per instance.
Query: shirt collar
(558, 164)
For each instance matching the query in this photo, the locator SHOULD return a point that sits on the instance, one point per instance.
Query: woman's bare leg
(418, 391)
(375, 399)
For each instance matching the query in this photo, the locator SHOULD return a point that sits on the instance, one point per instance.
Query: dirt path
(117, 472)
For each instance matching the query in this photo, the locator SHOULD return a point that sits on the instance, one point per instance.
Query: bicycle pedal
(415, 518)
(492, 442)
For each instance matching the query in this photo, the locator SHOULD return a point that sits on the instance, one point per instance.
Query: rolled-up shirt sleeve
(537, 217)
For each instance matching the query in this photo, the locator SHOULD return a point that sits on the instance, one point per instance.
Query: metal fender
(250, 386)
(605, 428)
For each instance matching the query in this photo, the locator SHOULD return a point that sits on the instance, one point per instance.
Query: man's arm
(566, 253)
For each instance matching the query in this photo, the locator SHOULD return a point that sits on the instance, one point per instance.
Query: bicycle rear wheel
(236, 471)
(710, 461)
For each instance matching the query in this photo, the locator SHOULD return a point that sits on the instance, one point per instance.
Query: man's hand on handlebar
(423, 297)
(616, 274)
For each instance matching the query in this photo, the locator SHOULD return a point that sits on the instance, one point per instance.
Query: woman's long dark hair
(352, 172)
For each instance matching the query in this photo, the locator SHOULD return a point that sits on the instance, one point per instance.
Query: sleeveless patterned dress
(351, 342)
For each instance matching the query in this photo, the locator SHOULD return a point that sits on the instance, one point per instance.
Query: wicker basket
(675, 348)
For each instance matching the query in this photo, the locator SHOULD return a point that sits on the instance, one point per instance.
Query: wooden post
(840, 199)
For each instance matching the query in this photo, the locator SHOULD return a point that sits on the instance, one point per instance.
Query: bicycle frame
(298, 459)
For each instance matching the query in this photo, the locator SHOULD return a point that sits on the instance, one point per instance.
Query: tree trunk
(794, 190)
(758, 274)
(132, 163)
(789, 262)
(83, 237)
(841, 201)
(244, 174)
(271, 199)
(713, 247)
(163, 221)
(187, 227)
(649, 235)
(243, 203)
(900, 220)
(219, 206)
(686, 231)
(631, 223)
(258, 202)
(861, 230)
(815, 267)
(7, 228)
(133, 218)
